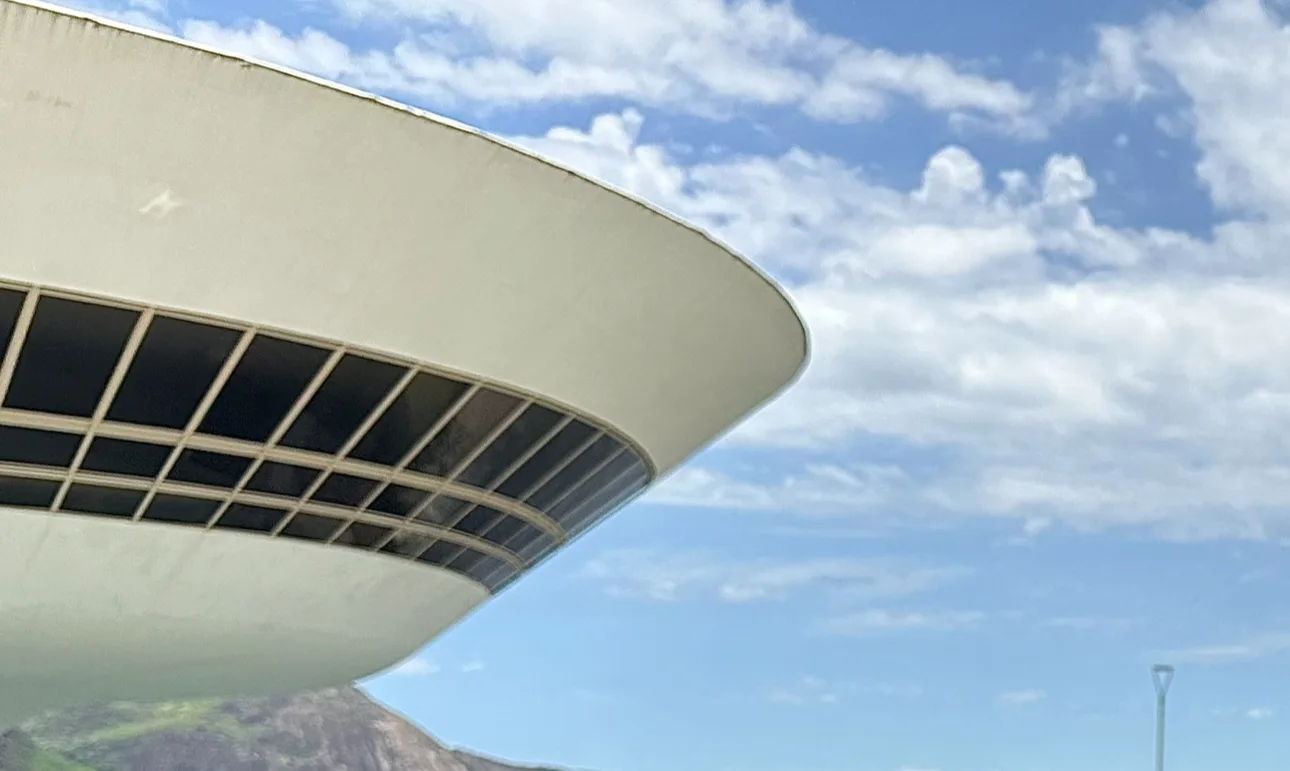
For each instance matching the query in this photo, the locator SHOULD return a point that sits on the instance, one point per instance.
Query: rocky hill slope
(338, 729)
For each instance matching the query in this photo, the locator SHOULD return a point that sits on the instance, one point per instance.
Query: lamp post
(1162, 675)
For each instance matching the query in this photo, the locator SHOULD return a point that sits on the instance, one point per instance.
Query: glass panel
(70, 352)
(215, 469)
(171, 372)
(484, 567)
(111, 501)
(599, 451)
(501, 577)
(531, 543)
(177, 508)
(241, 516)
(282, 479)
(442, 510)
(606, 502)
(506, 529)
(407, 544)
(35, 493)
(468, 560)
(440, 552)
(485, 410)
(398, 500)
(39, 448)
(311, 527)
(480, 519)
(118, 456)
(594, 484)
(552, 454)
(350, 393)
(517, 439)
(362, 535)
(266, 382)
(344, 490)
(415, 412)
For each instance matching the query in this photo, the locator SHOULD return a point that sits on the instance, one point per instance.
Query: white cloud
(1058, 368)
(877, 621)
(665, 577)
(417, 666)
(1253, 648)
(1019, 698)
(471, 667)
(1089, 624)
(809, 691)
(1259, 713)
(703, 56)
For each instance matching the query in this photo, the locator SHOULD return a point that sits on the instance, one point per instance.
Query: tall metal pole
(1162, 675)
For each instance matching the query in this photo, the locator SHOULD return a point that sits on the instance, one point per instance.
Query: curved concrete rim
(449, 123)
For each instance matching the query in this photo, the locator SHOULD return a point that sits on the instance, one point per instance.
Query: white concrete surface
(93, 609)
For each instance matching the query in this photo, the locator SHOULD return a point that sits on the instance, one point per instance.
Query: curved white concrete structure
(295, 377)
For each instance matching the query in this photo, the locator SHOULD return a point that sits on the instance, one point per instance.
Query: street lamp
(1162, 675)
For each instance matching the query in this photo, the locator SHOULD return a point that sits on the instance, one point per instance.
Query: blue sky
(1044, 438)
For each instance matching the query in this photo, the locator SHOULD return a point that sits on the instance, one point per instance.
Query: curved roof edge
(448, 123)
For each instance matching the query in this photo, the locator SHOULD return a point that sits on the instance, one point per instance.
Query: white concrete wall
(287, 203)
(95, 609)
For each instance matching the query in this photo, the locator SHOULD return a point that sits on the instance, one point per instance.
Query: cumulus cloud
(1051, 367)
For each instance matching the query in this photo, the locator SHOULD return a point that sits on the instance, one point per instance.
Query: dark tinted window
(310, 527)
(353, 389)
(171, 372)
(506, 529)
(363, 536)
(593, 485)
(443, 510)
(483, 413)
(39, 448)
(282, 479)
(68, 356)
(398, 500)
(544, 461)
(111, 501)
(507, 448)
(480, 519)
(241, 516)
(600, 451)
(37, 493)
(407, 544)
(440, 552)
(605, 502)
(215, 469)
(175, 508)
(266, 382)
(426, 399)
(118, 456)
(344, 490)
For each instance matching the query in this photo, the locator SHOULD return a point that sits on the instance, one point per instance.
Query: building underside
(293, 378)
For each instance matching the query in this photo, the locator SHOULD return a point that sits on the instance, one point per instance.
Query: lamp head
(1162, 675)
